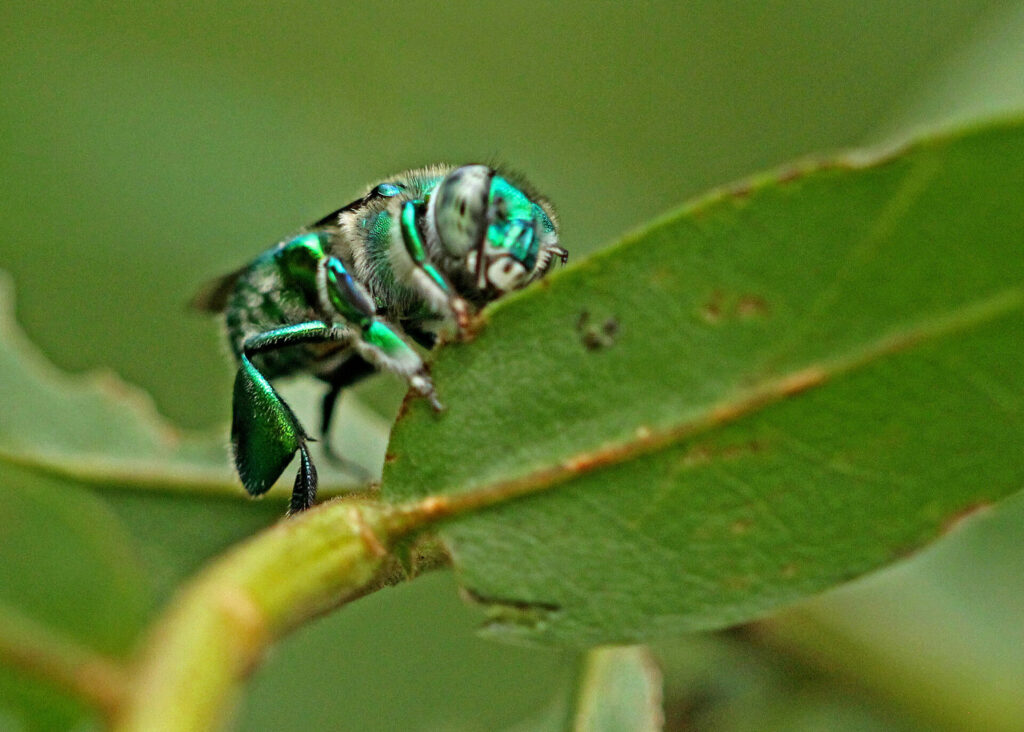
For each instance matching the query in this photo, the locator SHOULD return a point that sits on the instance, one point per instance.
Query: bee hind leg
(265, 433)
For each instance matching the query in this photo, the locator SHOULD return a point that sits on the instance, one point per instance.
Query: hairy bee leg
(382, 346)
(547, 258)
(265, 433)
(304, 490)
(374, 339)
(427, 279)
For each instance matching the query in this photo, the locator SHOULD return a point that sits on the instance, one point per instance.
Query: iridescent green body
(349, 295)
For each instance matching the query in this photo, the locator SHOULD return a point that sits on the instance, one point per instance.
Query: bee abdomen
(261, 302)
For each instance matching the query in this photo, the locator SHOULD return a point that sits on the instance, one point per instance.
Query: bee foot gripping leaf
(264, 433)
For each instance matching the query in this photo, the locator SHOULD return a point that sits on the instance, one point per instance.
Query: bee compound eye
(460, 207)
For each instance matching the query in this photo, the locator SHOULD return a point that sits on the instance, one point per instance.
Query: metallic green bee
(344, 297)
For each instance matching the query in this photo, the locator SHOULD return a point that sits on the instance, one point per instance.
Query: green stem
(36, 649)
(217, 629)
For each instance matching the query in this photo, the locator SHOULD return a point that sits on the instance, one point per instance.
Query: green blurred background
(146, 147)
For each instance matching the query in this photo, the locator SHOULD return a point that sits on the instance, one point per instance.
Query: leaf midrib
(743, 405)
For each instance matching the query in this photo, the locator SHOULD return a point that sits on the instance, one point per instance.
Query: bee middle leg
(351, 371)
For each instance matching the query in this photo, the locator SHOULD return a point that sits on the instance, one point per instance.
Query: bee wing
(213, 296)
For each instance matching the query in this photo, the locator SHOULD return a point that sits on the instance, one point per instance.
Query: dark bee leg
(419, 335)
(265, 434)
(351, 371)
(304, 490)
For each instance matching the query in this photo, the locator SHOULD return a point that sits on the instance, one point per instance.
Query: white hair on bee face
(505, 274)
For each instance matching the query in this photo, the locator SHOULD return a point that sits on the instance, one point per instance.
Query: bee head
(504, 236)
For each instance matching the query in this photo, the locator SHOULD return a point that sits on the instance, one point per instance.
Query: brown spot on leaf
(589, 461)
(791, 174)
(741, 526)
(750, 306)
(403, 409)
(721, 307)
(742, 189)
(594, 337)
(727, 412)
(591, 341)
(711, 311)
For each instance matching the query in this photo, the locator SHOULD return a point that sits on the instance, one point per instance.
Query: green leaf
(616, 688)
(778, 388)
(83, 570)
(68, 563)
(620, 688)
(51, 424)
(71, 587)
(939, 635)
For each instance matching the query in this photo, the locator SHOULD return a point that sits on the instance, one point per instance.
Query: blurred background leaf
(619, 688)
(147, 147)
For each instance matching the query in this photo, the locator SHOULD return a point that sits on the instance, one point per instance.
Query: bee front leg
(546, 259)
(426, 278)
